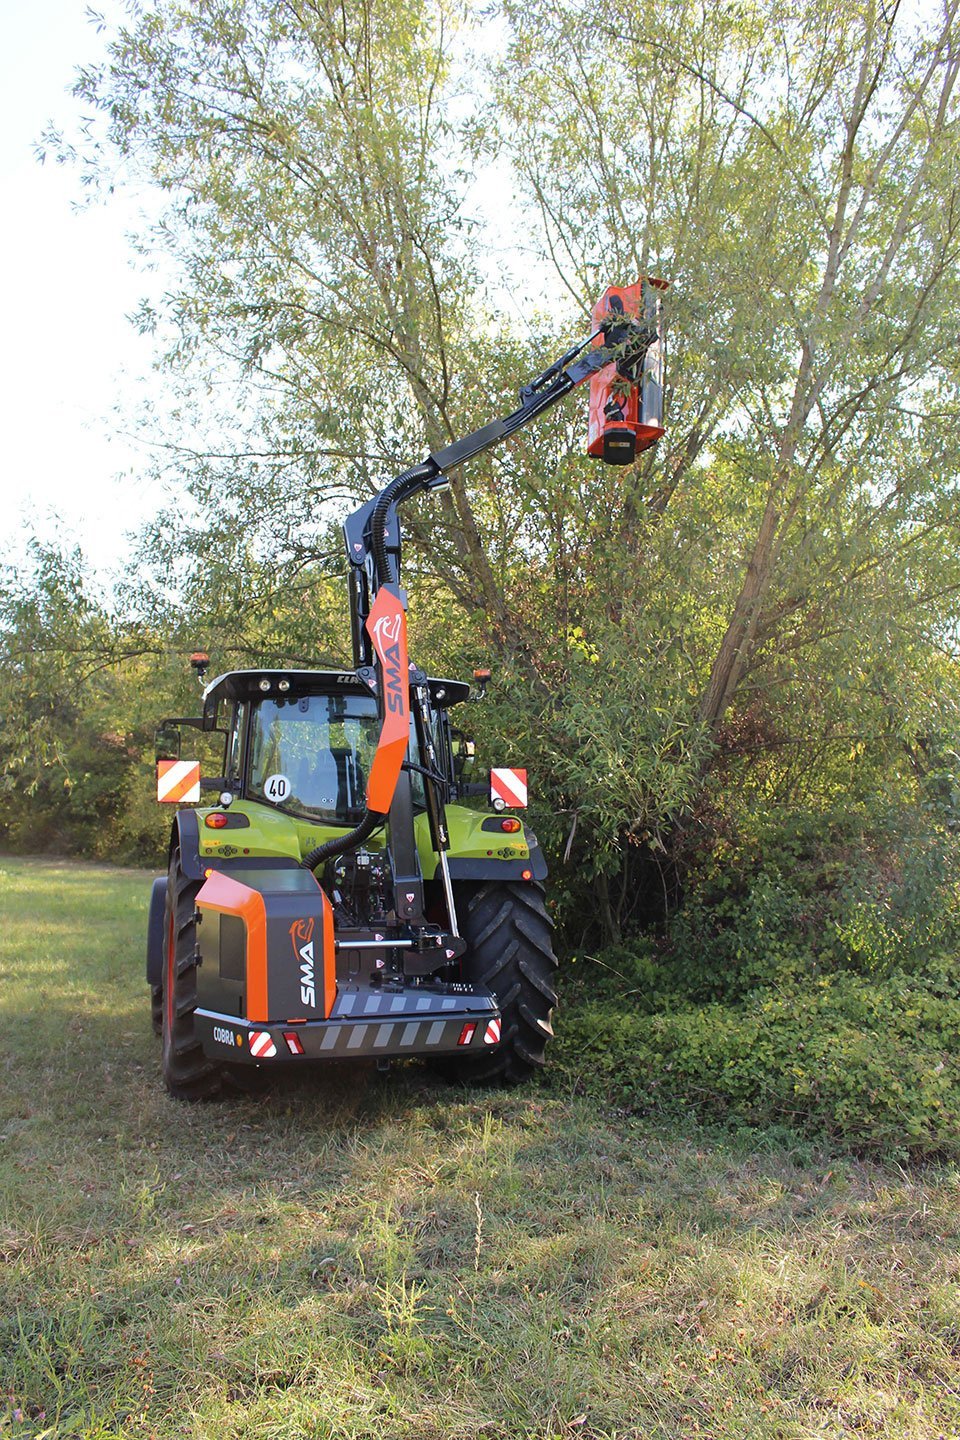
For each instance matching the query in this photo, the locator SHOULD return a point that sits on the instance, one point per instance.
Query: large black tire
(507, 930)
(156, 1008)
(187, 1073)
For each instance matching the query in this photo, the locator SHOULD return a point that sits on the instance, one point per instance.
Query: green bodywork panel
(273, 834)
(468, 841)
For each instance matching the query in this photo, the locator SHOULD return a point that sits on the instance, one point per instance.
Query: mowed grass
(354, 1255)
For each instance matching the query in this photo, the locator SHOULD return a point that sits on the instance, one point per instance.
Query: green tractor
(347, 897)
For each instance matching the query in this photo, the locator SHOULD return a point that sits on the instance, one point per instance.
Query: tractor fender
(475, 868)
(158, 906)
(538, 863)
(185, 835)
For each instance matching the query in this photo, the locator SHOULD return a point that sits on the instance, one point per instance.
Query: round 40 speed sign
(276, 788)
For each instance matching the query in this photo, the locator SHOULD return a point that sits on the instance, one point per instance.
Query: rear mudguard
(515, 870)
(480, 850)
(512, 856)
(471, 868)
(185, 834)
(158, 906)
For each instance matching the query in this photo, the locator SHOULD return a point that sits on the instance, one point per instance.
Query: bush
(874, 1064)
(810, 981)
(812, 895)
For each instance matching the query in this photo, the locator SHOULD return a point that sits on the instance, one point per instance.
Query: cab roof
(237, 685)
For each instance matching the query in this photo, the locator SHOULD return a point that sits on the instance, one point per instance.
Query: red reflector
(526, 875)
(511, 826)
(293, 1042)
(216, 821)
(467, 1033)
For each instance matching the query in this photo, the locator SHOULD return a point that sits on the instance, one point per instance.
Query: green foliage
(873, 1064)
(865, 889)
(811, 982)
(764, 605)
(69, 738)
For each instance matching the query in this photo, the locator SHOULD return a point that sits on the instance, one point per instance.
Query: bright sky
(69, 354)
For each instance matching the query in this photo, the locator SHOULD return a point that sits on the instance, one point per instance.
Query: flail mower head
(626, 398)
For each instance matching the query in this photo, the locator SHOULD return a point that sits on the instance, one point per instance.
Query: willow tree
(313, 227)
(794, 173)
(782, 564)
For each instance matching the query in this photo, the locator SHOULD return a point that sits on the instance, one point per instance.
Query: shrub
(872, 1063)
(810, 895)
(810, 981)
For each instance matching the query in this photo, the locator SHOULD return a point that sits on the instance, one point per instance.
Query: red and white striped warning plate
(510, 786)
(178, 780)
(491, 1036)
(261, 1045)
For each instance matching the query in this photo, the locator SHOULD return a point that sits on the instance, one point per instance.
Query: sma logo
(301, 935)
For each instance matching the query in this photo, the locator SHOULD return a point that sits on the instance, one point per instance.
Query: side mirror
(464, 754)
(167, 742)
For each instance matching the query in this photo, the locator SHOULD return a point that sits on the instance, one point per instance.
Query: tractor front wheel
(187, 1073)
(510, 950)
(156, 1008)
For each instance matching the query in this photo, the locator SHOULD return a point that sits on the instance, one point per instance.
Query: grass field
(357, 1256)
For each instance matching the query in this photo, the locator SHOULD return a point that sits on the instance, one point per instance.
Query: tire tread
(187, 1072)
(511, 952)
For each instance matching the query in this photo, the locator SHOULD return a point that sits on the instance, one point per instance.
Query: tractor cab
(302, 741)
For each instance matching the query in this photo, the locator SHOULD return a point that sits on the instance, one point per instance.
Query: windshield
(312, 754)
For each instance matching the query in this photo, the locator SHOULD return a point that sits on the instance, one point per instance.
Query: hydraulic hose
(400, 488)
(340, 844)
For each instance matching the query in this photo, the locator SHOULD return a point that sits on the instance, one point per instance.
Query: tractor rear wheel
(187, 1073)
(510, 950)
